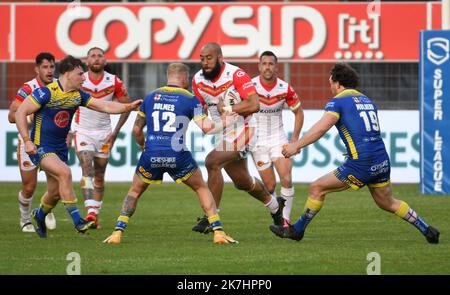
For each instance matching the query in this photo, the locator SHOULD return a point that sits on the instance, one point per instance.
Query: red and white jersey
(210, 92)
(27, 88)
(271, 103)
(105, 89)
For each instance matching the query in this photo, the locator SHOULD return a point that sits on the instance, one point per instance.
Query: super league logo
(438, 50)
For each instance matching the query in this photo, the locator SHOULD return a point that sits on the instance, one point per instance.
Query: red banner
(167, 32)
(5, 28)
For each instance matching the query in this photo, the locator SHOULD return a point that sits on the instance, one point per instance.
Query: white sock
(272, 205)
(288, 195)
(93, 206)
(25, 207)
(274, 194)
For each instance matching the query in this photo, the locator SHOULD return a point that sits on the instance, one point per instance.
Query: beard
(214, 72)
(96, 68)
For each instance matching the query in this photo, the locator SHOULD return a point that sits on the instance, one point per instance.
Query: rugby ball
(231, 97)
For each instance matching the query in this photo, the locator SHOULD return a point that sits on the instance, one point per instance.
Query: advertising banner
(163, 32)
(435, 112)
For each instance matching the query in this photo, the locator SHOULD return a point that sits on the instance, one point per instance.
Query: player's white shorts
(94, 141)
(25, 163)
(264, 154)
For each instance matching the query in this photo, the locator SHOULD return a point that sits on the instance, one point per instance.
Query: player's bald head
(211, 59)
(214, 47)
(178, 74)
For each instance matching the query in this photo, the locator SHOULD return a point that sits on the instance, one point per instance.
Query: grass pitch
(159, 239)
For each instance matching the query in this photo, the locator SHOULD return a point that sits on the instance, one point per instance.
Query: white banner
(400, 130)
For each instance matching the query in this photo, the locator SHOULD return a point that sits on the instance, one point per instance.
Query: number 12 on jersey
(167, 117)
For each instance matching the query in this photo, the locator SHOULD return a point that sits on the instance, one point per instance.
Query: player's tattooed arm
(138, 132)
(129, 206)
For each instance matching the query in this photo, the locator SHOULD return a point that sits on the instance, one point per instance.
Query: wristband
(26, 138)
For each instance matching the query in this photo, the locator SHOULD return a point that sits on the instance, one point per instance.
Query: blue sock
(122, 222)
(301, 223)
(407, 213)
(74, 213)
(312, 207)
(40, 214)
(421, 225)
(43, 210)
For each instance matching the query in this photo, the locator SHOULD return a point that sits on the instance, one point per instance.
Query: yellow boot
(114, 238)
(220, 237)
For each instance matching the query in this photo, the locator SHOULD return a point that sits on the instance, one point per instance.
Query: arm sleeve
(333, 108)
(23, 92)
(243, 84)
(41, 96)
(292, 99)
(86, 98)
(119, 88)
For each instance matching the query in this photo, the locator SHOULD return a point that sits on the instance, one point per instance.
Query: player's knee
(212, 164)
(135, 191)
(384, 202)
(28, 189)
(315, 189)
(65, 174)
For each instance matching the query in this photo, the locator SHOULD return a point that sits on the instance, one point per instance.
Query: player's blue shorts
(44, 151)
(153, 164)
(374, 172)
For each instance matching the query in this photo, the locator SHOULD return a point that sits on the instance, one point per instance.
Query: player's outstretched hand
(289, 150)
(134, 106)
(30, 148)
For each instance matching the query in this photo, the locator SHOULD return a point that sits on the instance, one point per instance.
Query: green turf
(159, 239)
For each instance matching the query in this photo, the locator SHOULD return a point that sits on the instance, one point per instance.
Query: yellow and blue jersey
(358, 124)
(54, 117)
(168, 111)
(368, 162)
